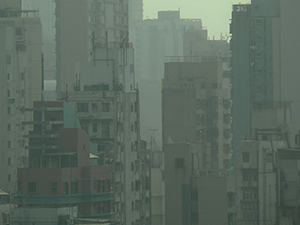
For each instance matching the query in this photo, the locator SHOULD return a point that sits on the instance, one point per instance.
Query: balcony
(61, 199)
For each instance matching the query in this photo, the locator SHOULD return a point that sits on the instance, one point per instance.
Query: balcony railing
(61, 199)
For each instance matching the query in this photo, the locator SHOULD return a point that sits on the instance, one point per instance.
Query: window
(135, 106)
(137, 165)
(105, 107)
(82, 107)
(8, 93)
(137, 185)
(9, 178)
(8, 59)
(269, 157)
(214, 85)
(132, 108)
(8, 127)
(249, 210)
(179, 163)
(9, 161)
(66, 188)
(8, 144)
(135, 126)
(201, 119)
(231, 198)
(8, 110)
(94, 107)
(132, 127)
(8, 76)
(200, 134)
(250, 194)
(132, 146)
(54, 187)
(105, 129)
(95, 127)
(32, 187)
(132, 205)
(246, 157)
(249, 175)
(101, 186)
(132, 186)
(194, 195)
(227, 148)
(85, 127)
(226, 118)
(74, 187)
(108, 186)
(132, 166)
(202, 86)
(18, 31)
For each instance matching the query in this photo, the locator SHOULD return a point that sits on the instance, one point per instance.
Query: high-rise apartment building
(107, 104)
(153, 40)
(268, 180)
(197, 107)
(21, 84)
(81, 27)
(264, 61)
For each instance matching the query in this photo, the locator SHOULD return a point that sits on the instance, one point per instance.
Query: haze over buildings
(161, 112)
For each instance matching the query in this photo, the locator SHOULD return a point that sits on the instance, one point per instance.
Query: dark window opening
(54, 187)
(32, 187)
(246, 157)
(82, 107)
(179, 163)
(66, 188)
(74, 187)
(95, 127)
(94, 107)
(105, 107)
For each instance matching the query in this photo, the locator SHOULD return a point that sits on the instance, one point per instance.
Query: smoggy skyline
(215, 14)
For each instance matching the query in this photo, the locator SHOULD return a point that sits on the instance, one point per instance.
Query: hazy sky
(215, 14)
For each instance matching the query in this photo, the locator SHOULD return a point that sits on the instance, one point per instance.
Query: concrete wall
(213, 201)
(177, 181)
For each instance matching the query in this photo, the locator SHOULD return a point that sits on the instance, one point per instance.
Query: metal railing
(61, 199)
